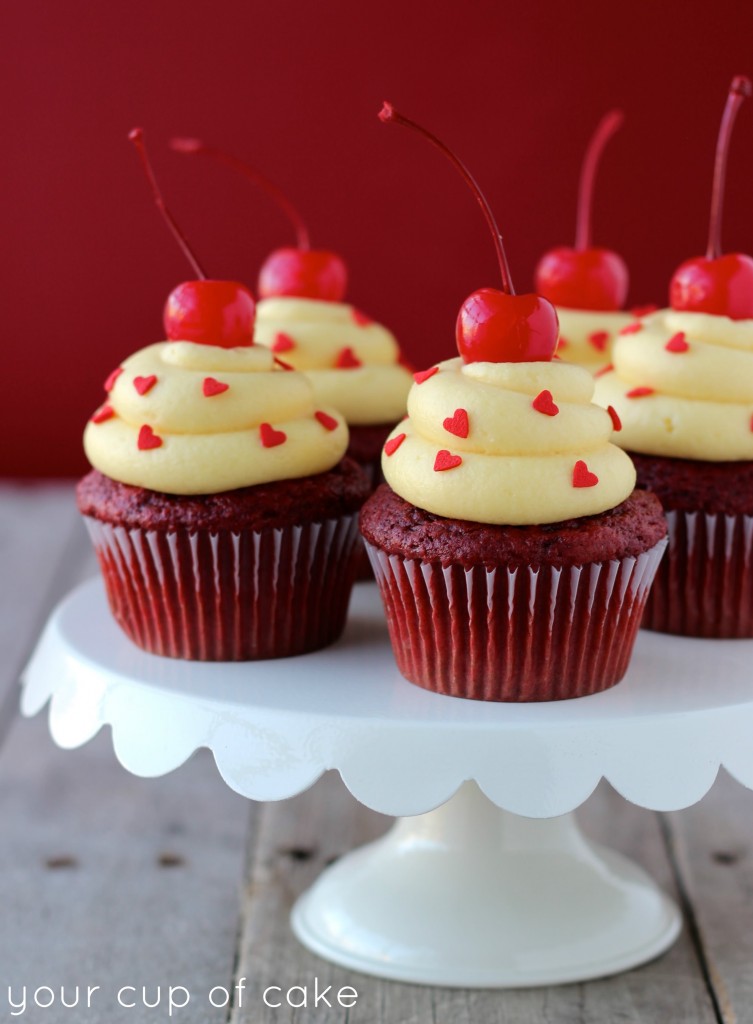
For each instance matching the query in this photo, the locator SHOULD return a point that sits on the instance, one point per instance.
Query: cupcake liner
(523, 634)
(226, 596)
(704, 586)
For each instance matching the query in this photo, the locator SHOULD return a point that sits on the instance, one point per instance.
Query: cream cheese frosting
(351, 361)
(507, 443)
(682, 385)
(587, 336)
(184, 418)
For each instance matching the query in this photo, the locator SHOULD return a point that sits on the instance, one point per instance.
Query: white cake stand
(497, 887)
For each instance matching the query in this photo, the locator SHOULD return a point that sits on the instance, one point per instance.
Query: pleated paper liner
(704, 586)
(229, 596)
(524, 634)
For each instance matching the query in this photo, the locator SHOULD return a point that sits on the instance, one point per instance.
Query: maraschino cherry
(716, 283)
(302, 272)
(204, 311)
(494, 326)
(584, 277)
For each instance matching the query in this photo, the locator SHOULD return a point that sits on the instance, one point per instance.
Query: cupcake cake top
(352, 362)
(682, 383)
(516, 443)
(185, 418)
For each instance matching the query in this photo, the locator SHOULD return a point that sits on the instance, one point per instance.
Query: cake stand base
(469, 895)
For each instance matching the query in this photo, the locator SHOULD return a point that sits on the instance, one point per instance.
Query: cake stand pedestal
(485, 880)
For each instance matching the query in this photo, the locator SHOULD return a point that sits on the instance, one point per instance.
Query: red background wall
(295, 86)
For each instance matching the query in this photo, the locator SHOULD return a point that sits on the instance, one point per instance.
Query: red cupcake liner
(227, 596)
(524, 634)
(704, 586)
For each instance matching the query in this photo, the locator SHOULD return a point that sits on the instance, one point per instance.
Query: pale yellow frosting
(374, 392)
(517, 464)
(587, 336)
(701, 399)
(215, 442)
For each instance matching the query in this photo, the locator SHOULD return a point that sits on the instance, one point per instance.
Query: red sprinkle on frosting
(644, 310)
(582, 475)
(562, 343)
(270, 438)
(632, 328)
(605, 369)
(212, 387)
(677, 343)
(282, 343)
(144, 384)
(543, 402)
(639, 392)
(446, 460)
(105, 412)
(457, 424)
(423, 375)
(148, 439)
(599, 340)
(361, 318)
(110, 382)
(616, 421)
(393, 444)
(282, 364)
(327, 421)
(347, 359)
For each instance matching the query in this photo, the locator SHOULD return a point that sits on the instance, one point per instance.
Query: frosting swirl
(506, 443)
(587, 336)
(184, 418)
(683, 387)
(351, 361)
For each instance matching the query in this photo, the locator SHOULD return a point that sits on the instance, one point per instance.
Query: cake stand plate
(472, 893)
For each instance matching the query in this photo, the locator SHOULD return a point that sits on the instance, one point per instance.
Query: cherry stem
(196, 146)
(388, 115)
(605, 129)
(739, 90)
(136, 136)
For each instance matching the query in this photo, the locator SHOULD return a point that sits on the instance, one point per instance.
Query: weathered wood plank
(42, 541)
(712, 845)
(298, 837)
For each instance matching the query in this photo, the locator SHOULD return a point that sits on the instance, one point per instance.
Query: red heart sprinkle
(446, 460)
(599, 340)
(644, 310)
(110, 382)
(148, 439)
(347, 360)
(327, 421)
(562, 343)
(212, 387)
(543, 402)
(457, 424)
(282, 343)
(105, 412)
(751, 423)
(605, 369)
(639, 392)
(616, 421)
(282, 364)
(677, 343)
(270, 437)
(582, 475)
(144, 384)
(393, 444)
(423, 375)
(361, 318)
(632, 328)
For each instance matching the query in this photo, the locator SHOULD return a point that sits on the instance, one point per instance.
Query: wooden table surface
(108, 880)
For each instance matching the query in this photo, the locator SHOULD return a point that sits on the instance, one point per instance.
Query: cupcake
(220, 506)
(587, 285)
(353, 363)
(682, 385)
(512, 553)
